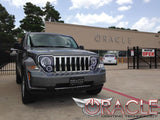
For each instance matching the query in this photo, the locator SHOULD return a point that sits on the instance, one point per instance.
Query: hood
(60, 52)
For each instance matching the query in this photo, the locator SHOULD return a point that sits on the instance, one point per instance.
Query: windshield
(109, 55)
(49, 40)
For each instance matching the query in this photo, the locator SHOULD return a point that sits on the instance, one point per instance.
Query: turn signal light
(29, 76)
(33, 67)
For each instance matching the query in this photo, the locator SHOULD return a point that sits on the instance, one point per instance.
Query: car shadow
(58, 99)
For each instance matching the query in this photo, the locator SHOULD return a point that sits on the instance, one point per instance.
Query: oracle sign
(148, 52)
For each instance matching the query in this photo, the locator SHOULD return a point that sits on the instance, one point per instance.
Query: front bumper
(58, 81)
(110, 61)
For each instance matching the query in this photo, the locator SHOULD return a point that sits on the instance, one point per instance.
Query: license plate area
(76, 81)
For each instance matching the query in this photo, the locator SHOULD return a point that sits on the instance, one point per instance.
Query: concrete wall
(95, 38)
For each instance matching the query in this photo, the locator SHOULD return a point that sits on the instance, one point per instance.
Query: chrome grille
(71, 63)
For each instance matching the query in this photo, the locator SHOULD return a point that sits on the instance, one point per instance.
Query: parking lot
(121, 84)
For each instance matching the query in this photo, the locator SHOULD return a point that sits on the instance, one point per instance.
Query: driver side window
(29, 42)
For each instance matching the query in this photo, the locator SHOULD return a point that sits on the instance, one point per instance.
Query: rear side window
(109, 56)
(106, 55)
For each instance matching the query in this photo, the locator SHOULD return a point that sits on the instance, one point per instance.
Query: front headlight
(46, 62)
(93, 63)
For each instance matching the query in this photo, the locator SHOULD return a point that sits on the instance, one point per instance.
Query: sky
(143, 15)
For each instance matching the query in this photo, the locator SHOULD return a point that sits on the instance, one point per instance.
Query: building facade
(103, 39)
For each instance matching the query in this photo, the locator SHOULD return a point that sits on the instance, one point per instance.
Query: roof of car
(47, 33)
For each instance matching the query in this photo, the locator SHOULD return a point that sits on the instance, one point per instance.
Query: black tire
(26, 96)
(95, 91)
(18, 78)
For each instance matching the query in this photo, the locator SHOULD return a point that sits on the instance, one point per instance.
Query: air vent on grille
(66, 63)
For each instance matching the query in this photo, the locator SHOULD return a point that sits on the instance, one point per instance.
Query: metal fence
(137, 60)
(7, 63)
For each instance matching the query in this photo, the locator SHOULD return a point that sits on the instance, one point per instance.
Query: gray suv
(54, 62)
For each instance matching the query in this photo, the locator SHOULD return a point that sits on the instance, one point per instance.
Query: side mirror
(17, 46)
(81, 47)
(13, 52)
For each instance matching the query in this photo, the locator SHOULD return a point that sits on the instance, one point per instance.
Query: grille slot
(57, 64)
(71, 64)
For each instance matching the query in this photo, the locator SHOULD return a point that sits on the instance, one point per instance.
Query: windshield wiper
(42, 46)
(52, 46)
(61, 46)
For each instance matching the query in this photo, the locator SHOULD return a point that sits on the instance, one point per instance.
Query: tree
(6, 41)
(6, 21)
(113, 27)
(6, 30)
(33, 21)
(51, 14)
(158, 31)
(18, 33)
